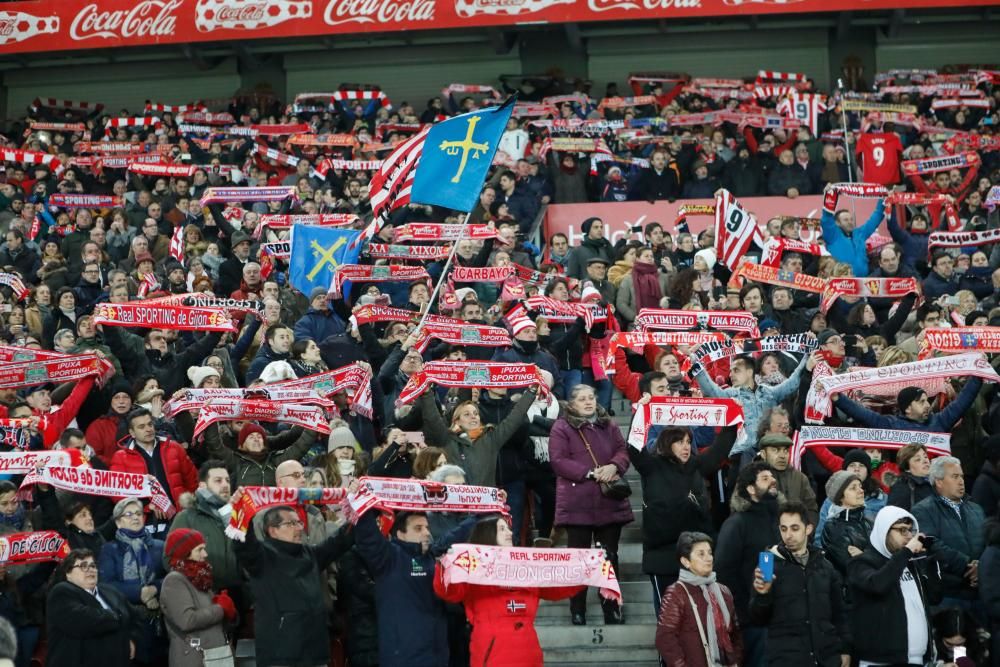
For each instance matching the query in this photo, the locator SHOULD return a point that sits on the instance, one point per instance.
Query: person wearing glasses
(283, 571)
(133, 564)
(88, 624)
(892, 584)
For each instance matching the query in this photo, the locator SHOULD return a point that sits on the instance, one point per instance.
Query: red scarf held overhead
(646, 284)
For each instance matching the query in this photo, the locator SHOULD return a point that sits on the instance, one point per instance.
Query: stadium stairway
(628, 645)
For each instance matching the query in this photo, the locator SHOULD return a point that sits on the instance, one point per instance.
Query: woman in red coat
(503, 619)
(697, 625)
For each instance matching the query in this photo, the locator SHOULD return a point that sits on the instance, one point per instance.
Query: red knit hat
(181, 542)
(248, 429)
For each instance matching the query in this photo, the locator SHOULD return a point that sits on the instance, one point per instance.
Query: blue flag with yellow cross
(456, 156)
(316, 253)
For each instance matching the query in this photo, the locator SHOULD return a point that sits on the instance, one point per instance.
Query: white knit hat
(707, 254)
(590, 292)
(276, 371)
(198, 374)
(519, 324)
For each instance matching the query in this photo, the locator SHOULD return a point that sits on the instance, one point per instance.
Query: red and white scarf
(56, 103)
(392, 273)
(65, 368)
(163, 316)
(463, 333)
(481, 274)
(32, 157)
(160, 168)
(933, 165)
(957, 340)
(225, 195)
(468, 374)
(679, 320)
(354, 379)
(14, 282)
(106, 483)
(22, 462)
(32, 547)
(772, 275)
(962, 239)
(866, 288)
(232, 409)
(777, 245)
(937, 444)
(637, 340)
(858, 190)
(412, 252)
(140, 121)
(203, 300)
(194, 399)
(417, 495)
(374, 313)
(521, 567)
(433, 231)
(72, 200)
(175, 108)
(325, 165)
(206, 118)
(819, 406)
(277, 221)
(255, 499)
(684, 411)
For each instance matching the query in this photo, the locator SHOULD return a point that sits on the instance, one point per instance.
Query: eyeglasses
(130, 515)
(295, 523)
(295, 475)
(903, 530)
(88, 565)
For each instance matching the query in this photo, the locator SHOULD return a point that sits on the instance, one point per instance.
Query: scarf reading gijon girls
(818, 404)
(467, 374)
(417, 495)
(108, 483)
(34, 547)
(257, 498)
(520, 567)
(724, 320)
(937, 444)
(684, 411)
(637, 340)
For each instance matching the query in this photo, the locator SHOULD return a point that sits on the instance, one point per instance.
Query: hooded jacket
(873, 580)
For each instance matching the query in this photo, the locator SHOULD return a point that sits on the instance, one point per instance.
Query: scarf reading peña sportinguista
(519, 567)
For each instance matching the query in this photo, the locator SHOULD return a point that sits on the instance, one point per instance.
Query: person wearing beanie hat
(707, 257)
(907, 396)
(846, 532)
(342, 438)
(917, 414)
(775, 450)
(252, 438)
(857, 462)
(189, 602)
(277, 371)
(104, 432)
(521, 328)
(204, 377)
(592, 246)
(256, 455)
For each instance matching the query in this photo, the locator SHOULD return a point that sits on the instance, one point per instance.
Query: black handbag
(619, 489)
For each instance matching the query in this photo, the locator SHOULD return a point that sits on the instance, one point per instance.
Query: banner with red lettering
(43, 371)
(382, 273)
(420, 253)
(33, 547)
(890, 288)
(434, 231)
(956, 340)
(723, 320)
(637, 340)
(356, 379)
(374, 313)
(418, 495)
(522, 567)
(13, 354)
(937, 444)
(684, 411)
(462, 333)
(108, 483)
(254, 499)
(481, 274)
(22, 462)
(772, 275)
(163, 316)
(468, 374)
(231, 409)
(818, 403)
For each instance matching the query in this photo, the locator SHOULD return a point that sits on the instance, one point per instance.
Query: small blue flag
(316, 254)
(456, 156)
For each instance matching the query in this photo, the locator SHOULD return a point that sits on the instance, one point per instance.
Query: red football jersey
(878, 155)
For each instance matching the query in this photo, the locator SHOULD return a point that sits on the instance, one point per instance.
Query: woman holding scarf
(697, 625)
(502, 618)
(193, 614)
(645, 287)
(133, 564)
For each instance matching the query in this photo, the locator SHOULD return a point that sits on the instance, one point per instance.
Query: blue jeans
(569, 380)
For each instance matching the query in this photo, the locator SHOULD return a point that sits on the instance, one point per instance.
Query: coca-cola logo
(339, 12)
(7, 27)
(149, 18)
(244, 13)
(649, 5)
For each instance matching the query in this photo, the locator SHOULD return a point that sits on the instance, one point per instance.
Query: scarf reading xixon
(519, 567)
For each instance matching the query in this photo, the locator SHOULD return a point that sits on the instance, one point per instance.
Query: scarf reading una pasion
(417, 495)
(741, 321)
(818, 404)
(257, 498)
(518, 567)
(938, 444)
(684, 411)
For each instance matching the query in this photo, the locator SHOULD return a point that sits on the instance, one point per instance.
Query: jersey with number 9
(879, 153)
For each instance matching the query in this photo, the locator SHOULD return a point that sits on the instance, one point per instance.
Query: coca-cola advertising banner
(620, 217)
(60, 25)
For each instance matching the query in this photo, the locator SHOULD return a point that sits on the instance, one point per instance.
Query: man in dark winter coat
(593, 245)
(289, 623)
(788, 179)
(413, 628)
(803, 606)
(891, 586)
(750, 529)
(658, 181)
(743, 176)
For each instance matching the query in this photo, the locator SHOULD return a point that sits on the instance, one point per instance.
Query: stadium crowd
(796, 553)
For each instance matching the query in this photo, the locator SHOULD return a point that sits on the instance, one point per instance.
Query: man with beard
(751, 528)
(594, 245)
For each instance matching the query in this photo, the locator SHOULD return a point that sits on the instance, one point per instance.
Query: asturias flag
(316, 253)
(456, 156)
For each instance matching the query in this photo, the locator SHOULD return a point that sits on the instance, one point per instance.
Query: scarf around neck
(137, 564)
(719, 643)
(646, 284)
(199, 573)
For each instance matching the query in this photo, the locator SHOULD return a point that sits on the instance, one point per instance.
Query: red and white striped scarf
(32, 157)
(310, 417)
(140, 121)
(937, 444)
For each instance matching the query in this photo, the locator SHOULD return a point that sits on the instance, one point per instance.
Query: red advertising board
(59, 25)
(620, 217)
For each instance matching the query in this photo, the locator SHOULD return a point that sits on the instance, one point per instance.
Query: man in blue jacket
(915, 408)
(319, 322)
(412, 625)
(847, 244)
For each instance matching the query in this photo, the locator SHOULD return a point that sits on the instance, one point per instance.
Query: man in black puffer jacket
(891, 586)
(803, 606)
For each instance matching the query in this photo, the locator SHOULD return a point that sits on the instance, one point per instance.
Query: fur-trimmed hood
(740, 504)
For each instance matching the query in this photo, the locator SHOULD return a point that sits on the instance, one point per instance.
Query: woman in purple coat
(586, 448)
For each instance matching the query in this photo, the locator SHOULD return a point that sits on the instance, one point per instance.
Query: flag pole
(444, 274)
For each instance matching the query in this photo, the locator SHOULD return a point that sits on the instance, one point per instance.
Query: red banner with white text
(62, 25)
